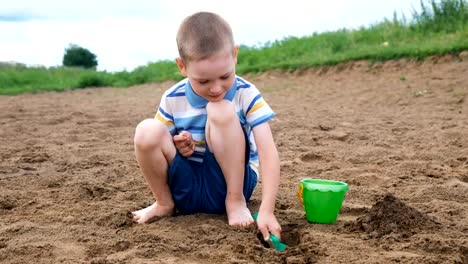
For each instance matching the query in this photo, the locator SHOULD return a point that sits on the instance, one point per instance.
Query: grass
(441, 27)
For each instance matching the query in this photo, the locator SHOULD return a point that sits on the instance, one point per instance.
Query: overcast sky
(125, 34)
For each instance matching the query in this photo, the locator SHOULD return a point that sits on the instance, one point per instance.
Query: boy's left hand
(184, 143)
(266, 223)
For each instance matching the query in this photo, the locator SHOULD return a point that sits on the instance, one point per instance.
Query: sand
(396, 132)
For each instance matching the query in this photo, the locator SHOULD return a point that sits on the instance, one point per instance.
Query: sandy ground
(396, 132)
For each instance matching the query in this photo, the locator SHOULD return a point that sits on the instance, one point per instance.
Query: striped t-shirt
(182, 109)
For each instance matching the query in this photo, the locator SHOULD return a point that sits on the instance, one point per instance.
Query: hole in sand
(289, 236)
(260, 238)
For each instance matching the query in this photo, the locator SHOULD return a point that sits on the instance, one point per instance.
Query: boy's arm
(270, 171)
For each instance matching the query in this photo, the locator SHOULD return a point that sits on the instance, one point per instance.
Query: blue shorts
(200, 187)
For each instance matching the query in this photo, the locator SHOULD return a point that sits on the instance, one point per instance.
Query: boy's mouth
(217, 96)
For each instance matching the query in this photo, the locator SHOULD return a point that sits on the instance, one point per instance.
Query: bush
(93, 80)
(76, 56)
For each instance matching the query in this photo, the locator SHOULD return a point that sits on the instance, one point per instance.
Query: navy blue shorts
(200, 187)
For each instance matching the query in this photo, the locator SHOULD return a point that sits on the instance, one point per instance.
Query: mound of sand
(391, 215)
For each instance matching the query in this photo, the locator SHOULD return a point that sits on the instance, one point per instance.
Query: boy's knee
(221, 112)
(148, 134)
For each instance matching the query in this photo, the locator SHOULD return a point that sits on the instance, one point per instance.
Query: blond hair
(203, 34)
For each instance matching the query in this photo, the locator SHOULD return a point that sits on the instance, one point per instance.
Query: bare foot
(238, 213)
(150, 213)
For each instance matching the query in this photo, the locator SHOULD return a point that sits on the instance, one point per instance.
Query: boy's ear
(235, 52)
(181, 66)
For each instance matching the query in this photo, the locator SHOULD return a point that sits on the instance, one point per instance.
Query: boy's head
(203, 34)
(208, 56)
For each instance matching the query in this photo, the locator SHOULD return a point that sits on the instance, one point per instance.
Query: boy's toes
(242, 224)
(136, 217)
(247, 223)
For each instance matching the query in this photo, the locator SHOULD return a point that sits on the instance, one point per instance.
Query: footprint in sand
(464, 178)
(351, 211)
(34, 156)
(458, 181)
(310, 157)
(369, 179)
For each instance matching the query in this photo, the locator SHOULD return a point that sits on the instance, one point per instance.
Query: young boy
(201, 152)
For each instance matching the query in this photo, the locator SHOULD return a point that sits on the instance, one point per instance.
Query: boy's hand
(267, 223)
(184, 143)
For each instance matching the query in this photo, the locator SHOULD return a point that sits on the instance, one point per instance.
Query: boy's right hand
(266, 223)
(184, 143)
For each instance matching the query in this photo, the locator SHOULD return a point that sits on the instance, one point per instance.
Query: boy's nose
(216, 88)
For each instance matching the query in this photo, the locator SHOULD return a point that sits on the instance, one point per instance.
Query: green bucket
(322, 199)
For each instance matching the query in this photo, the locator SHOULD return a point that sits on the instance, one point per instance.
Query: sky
(126, 34)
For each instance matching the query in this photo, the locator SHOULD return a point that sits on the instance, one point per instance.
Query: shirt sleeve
(164, 115)
(255, 108)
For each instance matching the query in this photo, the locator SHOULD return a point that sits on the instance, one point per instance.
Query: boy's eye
(225, 77)
(203, 82)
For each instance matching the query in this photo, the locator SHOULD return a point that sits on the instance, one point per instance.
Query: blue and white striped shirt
(182, 109)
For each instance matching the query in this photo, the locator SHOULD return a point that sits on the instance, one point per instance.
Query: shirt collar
(199, 102)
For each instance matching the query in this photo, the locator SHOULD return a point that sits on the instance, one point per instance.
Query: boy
(200, 153)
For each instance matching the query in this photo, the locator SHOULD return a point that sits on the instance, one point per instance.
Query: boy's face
(212, 77)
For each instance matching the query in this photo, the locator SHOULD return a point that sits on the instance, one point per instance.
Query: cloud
(19, 16)
(74, 10)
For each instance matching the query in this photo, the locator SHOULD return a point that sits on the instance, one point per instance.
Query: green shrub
(76, 56)
(93, 80)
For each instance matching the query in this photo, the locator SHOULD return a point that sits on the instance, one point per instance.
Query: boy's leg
(154, 150)
(226, 139)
